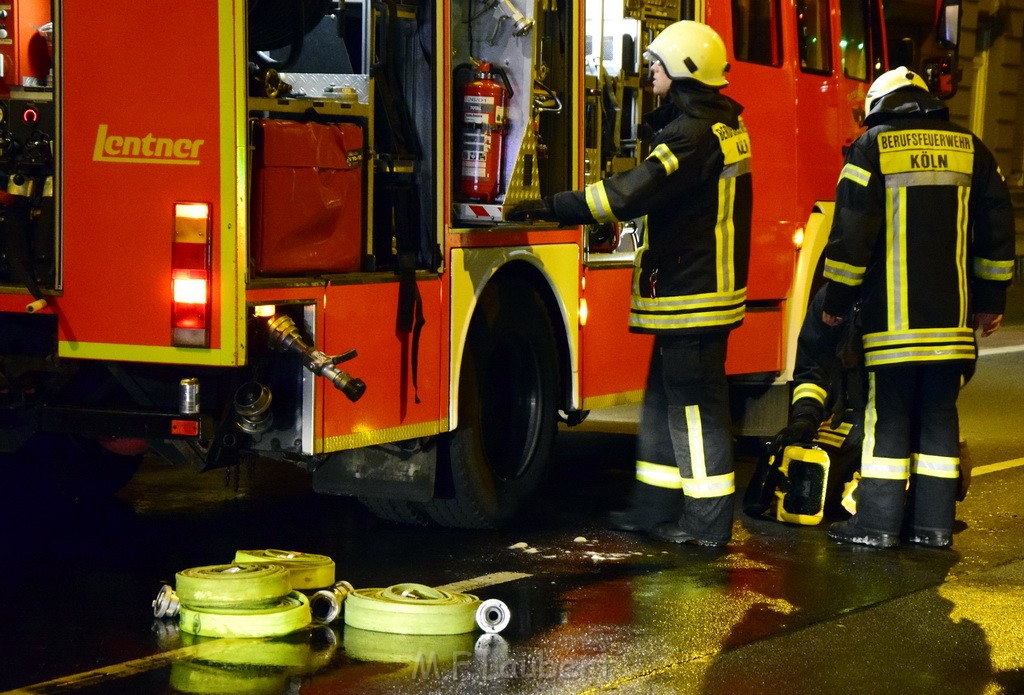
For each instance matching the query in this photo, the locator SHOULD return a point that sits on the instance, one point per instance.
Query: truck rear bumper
(18, 423)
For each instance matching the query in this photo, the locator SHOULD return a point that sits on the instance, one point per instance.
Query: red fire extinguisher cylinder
(483, 118)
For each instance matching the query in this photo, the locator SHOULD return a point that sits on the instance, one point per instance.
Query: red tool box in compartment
(307, 203)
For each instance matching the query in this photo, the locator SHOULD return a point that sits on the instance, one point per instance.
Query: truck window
(756, 32)
(814, 37)
(854, 44)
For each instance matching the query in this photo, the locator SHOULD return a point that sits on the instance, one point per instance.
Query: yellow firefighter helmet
(889, 82)
(690, 51)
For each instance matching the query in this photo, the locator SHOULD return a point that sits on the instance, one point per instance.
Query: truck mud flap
(379, 472)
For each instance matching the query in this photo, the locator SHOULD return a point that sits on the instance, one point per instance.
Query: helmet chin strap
(691, 85)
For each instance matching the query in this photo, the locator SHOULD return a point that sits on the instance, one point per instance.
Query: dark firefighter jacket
(923, 232)
(695, 190)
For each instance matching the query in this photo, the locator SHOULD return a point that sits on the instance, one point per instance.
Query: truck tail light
(191, 266)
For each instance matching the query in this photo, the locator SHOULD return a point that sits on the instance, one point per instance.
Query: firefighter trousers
(911, 434)
(685, 438)
(842, 443)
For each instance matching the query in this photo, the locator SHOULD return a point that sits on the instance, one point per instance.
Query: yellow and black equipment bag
(789, 486)
(800, 494)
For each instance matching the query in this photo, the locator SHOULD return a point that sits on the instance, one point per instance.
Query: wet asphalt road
(782, 609)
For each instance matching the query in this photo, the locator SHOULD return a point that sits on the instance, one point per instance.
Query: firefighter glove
(800, 430)
(529, 210)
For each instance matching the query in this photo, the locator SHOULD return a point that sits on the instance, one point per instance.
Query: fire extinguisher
(483, 118)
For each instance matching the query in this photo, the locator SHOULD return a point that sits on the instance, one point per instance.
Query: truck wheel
(498, 455)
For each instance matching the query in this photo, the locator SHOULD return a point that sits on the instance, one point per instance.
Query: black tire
(74, 468)
(401, 511)
(98, 473)
(498, 456)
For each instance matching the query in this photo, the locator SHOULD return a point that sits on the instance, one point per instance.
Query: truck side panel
(801, 114)
(612, 371)
(767, 95)
(364, 315)
(148, 121)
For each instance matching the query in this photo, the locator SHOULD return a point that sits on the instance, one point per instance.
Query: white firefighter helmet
(690, 50)
(889, 82)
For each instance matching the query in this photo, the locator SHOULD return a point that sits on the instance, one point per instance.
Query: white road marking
(1000, 350)
(133, 667)
(482, 581)
(993, 467)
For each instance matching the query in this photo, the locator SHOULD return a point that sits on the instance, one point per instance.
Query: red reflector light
(185, 428)
(191, 260)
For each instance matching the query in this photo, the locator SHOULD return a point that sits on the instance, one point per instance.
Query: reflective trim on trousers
(658, 475)
(695, 433)
(885, 468)
(935, 466)
(712, 486)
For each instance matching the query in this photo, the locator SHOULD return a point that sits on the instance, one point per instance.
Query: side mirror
(941, 69)
(947, 26)
(942, 76)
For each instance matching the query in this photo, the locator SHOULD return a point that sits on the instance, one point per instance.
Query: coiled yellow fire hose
(306, 570)
(212, 586)
(253, 597)
(411, 609)
(285, 615)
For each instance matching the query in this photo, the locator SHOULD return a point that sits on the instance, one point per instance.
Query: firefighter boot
(931, 507)
(850, 531)
(674, 532)
(877, 521)
(648, 505)
(705, 521)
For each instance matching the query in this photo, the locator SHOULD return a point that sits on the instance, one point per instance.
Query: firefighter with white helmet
(923, 237)
(689, 285)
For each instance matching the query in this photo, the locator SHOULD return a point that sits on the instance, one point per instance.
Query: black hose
(15, 232)
(275, 24)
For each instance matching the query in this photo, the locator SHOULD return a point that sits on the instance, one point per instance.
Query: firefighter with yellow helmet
(923, 237)
(689, 285)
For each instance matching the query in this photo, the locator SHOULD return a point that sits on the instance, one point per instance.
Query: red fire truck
(274, 228)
